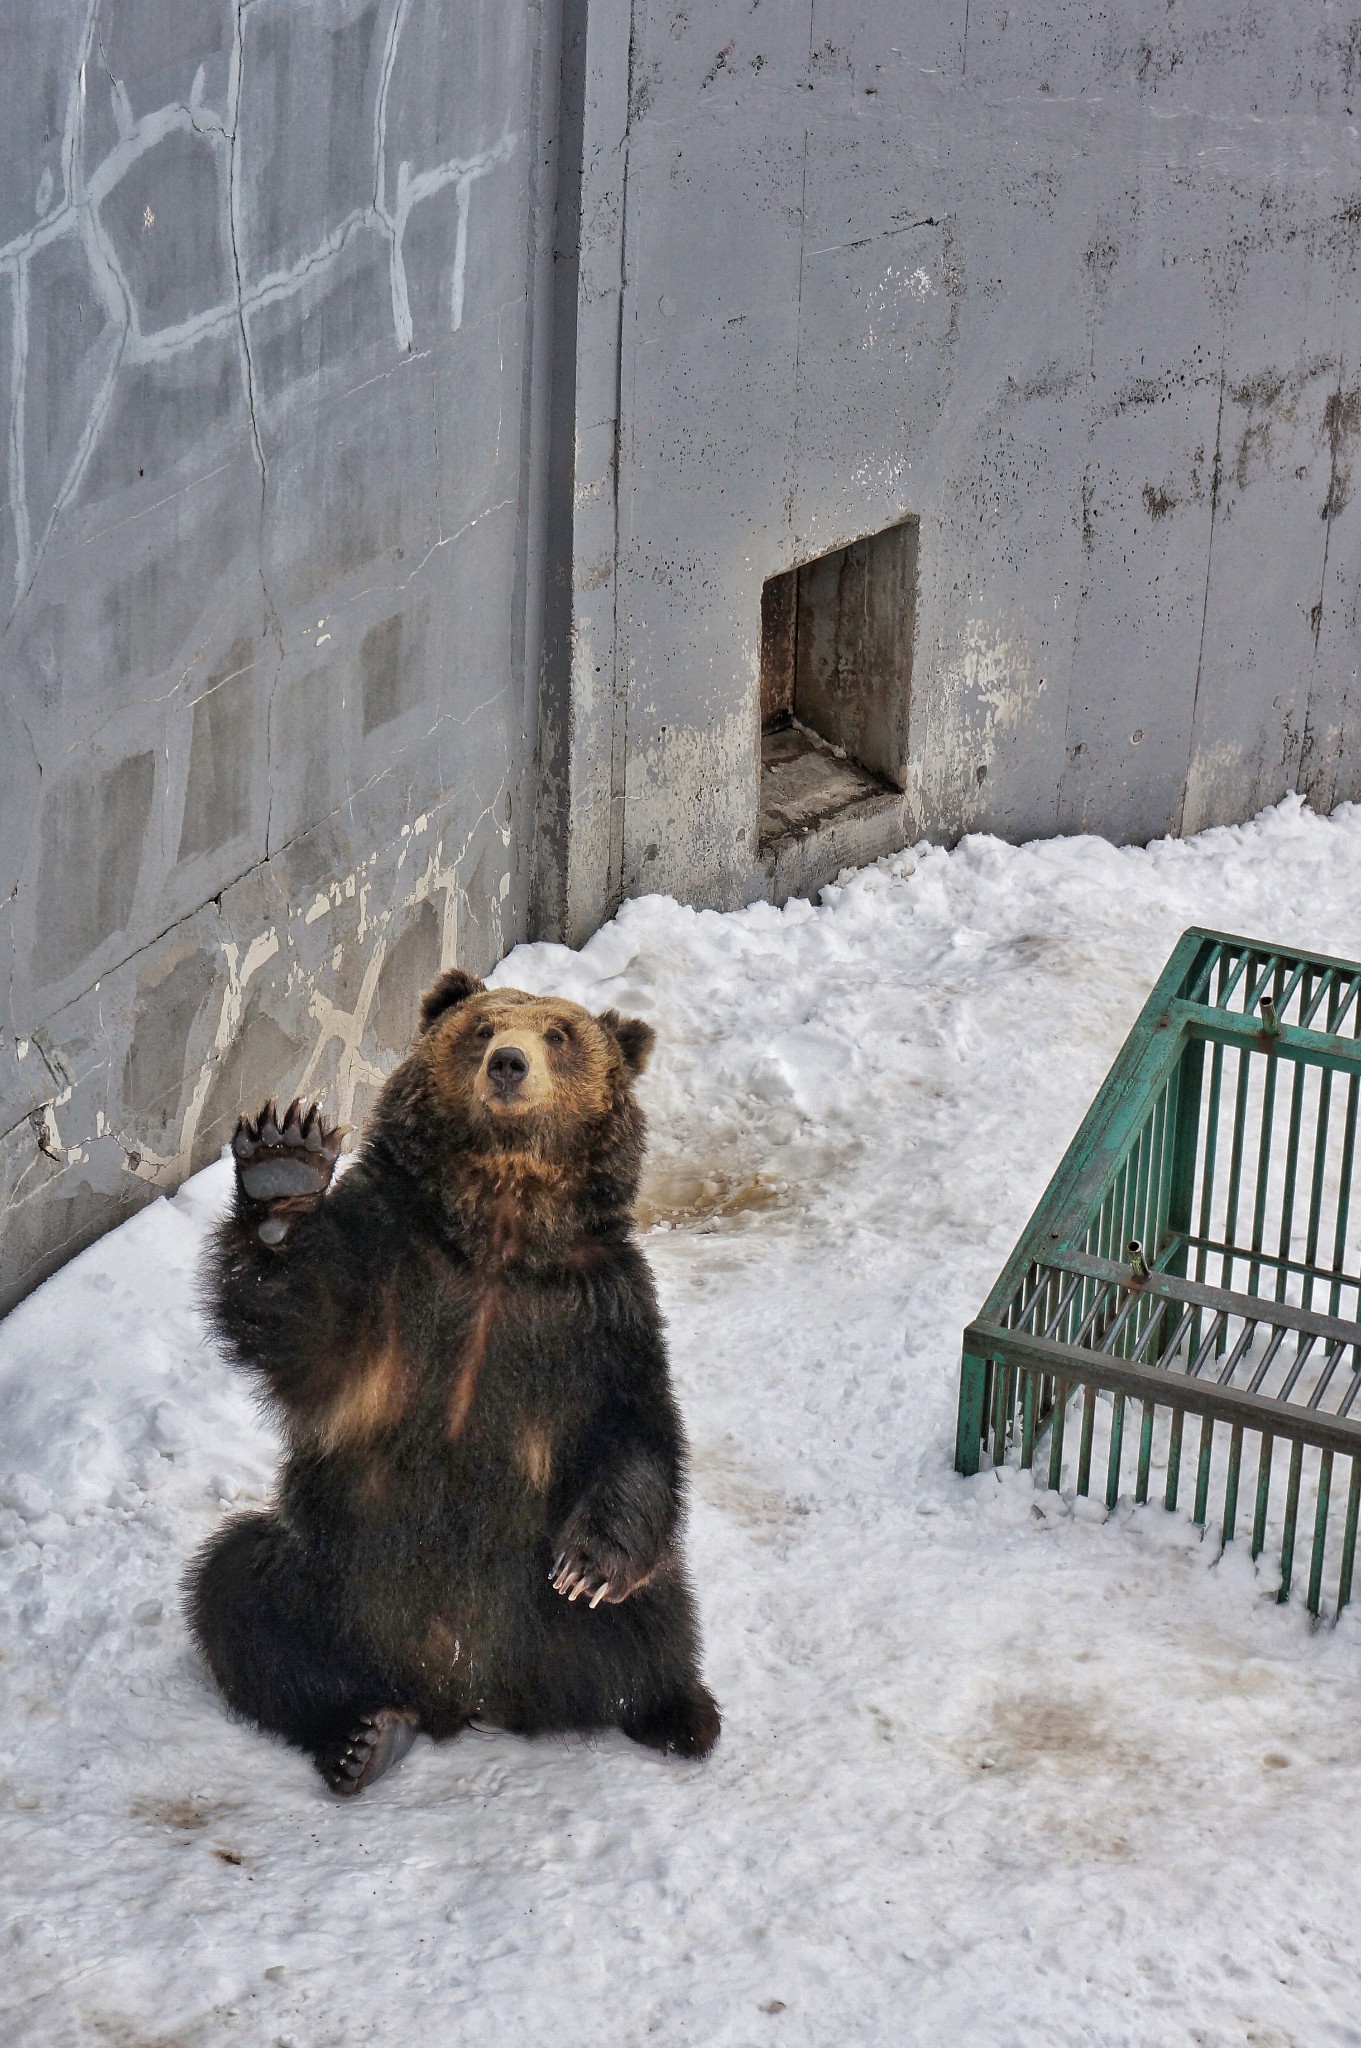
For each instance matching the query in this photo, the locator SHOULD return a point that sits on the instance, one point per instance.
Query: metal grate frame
(1196, 1253)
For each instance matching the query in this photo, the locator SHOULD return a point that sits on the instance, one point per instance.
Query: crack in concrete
(1215, 479)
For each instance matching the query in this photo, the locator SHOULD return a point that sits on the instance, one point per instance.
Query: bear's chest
(503, 1371)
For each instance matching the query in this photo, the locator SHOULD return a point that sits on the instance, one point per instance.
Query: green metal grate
(1196, 1255)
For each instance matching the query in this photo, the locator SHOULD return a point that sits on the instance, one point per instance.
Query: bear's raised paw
(285, 1163)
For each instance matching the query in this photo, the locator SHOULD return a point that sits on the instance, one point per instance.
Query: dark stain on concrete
(217, 797)
(1341, 421)
(390, 667)
(92, 834)
(411, 965)
(171, 992)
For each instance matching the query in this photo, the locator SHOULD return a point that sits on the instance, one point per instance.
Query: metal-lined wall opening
(836, 682)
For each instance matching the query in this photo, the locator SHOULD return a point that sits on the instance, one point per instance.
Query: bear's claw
(286, 1160)
(580, 1570)
(375, 1743)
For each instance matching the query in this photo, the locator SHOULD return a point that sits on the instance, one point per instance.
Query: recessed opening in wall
(836, 684)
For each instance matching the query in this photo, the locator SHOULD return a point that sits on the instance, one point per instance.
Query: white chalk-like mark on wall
(985, 687)
(465, 193)
(77, 212)
(169, 1169)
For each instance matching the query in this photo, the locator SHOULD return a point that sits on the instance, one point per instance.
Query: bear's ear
(449, 991)
(635, 1038)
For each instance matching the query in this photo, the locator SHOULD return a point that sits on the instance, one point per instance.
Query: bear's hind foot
(284, 1165)
(372, 1746)
(687, 1725)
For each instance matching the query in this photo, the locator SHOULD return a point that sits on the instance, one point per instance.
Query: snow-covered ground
(993, 1770)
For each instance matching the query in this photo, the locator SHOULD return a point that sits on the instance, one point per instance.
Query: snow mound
(996, 1768)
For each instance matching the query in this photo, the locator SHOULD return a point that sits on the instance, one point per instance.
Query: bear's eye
(554, 1036)
(486, 1031)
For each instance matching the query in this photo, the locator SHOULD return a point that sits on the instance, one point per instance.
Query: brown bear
(480, 1509)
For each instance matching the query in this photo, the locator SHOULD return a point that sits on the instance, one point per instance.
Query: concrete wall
(405, 401)
(269, 281)
(1075, 284)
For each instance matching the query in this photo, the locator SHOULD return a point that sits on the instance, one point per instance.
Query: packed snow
(996, 1768)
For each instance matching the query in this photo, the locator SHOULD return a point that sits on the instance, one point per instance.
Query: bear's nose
(507, 1067)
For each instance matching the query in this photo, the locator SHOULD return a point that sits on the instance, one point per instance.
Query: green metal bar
(1344, 1192)
(1171, 1100)
(1240, 1124)
(1246, 953)
(1254, 1308)
(1145, 1454)
(1198, 981)
(973, 1375)
(1001, 1411)
(1344, 1583)
(1205, 935)
(1199, 1396)
(1263, 1496)
(1231, 1481)
(1327, 986)
(1207, 1184)
(1084, 1456)
(1061, 1392)
(1315, 1048)
(1149, 1139)
(1285, 990)
(1292, 1159)
(1263, 1182)
(1292, 1509)
(1316, 1272)
(1207, 1430)
(1322, 1133)
(1028, 1399)
(1325, 1482)
(1115, 1222)
(1117, 1442)
(1179, 1164)
(1174, 1460)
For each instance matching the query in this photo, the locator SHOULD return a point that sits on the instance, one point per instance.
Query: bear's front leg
(614, 1539)
(284, 1166)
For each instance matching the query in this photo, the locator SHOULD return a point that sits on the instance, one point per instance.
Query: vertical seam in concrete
(1306, 737)
(237, 66)
(619, 710)
(794, 420)
(1209, 568)
(519, 623)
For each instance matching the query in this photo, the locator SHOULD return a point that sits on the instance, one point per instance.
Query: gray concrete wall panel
(1077, 287)
(268, 274)
(402, 405)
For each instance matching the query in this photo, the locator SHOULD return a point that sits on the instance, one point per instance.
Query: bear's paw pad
(371, 1747)
(280, 1158)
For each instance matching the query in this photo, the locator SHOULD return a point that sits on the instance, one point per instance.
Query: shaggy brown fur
(481, 1506)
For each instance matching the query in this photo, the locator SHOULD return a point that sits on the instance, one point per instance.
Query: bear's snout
(506, 1068)
(514, 1076)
